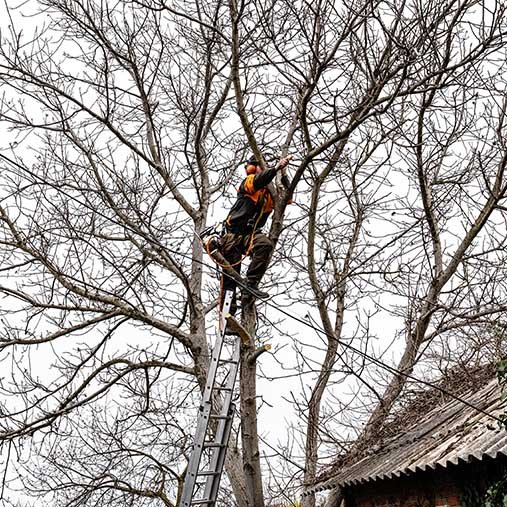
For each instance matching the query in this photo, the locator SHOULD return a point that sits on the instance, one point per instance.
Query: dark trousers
(234, 247)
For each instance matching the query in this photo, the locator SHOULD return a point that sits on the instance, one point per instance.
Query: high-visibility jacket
(253, 205)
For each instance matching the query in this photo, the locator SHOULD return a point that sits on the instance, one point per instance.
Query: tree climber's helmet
(251, 165)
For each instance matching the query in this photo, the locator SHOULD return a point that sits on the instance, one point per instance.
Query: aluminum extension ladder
(207, 458)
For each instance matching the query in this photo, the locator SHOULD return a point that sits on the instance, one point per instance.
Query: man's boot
(251, 291)
(255, 292)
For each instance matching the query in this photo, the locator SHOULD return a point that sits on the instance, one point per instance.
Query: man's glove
(284, 162)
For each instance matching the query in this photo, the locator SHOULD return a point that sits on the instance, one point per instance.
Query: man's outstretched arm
(266, 177)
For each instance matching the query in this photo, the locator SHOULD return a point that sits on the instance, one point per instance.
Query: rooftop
(448, 433)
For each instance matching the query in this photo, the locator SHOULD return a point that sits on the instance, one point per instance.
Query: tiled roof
(450, 433)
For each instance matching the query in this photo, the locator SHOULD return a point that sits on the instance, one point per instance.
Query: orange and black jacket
(254, 203)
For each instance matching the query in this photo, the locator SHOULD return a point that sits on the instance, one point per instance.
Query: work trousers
(234, 247)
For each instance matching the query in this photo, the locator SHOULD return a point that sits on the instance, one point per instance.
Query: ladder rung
(228, 361)
(208, 473)
(217, 416)
(200, 501)
(222, 388)
(213, 444)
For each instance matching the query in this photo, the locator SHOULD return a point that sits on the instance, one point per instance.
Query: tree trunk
(249, 433)
(234, 471)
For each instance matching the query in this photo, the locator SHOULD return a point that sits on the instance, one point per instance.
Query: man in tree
(244, 224)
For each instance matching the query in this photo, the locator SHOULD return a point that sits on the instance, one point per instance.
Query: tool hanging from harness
(211, 238)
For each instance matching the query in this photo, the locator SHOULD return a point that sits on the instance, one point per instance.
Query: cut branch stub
(245, 336)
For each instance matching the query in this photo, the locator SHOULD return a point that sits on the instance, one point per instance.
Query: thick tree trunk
(249, 433)
(234, 469)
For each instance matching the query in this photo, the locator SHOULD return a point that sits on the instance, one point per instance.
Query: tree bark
(249, 432)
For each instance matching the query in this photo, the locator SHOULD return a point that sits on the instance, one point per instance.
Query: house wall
(454, 486)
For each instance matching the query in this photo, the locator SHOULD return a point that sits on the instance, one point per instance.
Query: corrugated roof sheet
(450, 433)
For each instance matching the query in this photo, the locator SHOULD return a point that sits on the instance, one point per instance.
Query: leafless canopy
(125, 127)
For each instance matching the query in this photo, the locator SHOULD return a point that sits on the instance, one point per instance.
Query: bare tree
(127, 125)
(100, 219)
(443, 135)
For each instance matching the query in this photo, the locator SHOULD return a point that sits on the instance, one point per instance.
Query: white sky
(276, 413)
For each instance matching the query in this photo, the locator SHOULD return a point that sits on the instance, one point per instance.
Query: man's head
(253, 166)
